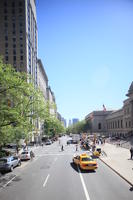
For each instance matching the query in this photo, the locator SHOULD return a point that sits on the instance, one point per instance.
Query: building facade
(42, 82)
(114, 123)
(42, 79)
(97, 121)
(52, 102)
(18, 35)
(120, 122)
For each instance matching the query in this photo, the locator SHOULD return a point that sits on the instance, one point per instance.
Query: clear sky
(86, 47)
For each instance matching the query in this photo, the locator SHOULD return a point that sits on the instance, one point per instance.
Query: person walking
(62, 148)
(32, 155)
(131, 152)
(76, 147)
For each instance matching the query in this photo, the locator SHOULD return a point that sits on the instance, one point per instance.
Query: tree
(52, 126)
(20, 104)
(79, 127)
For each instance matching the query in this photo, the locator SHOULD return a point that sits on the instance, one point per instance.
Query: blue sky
(86, 47)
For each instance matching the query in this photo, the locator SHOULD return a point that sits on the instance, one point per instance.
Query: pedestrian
(76, 147)
(62, 148)
(17, 149)
(131, 152)
(31, 155)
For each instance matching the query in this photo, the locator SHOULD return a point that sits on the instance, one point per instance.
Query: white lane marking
(9, 181)
(45, 182)
(83, 184)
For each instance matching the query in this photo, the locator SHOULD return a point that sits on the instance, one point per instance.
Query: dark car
(48, 142)
(69, 141)
(7, 164)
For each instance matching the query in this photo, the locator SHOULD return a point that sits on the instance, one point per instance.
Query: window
(21, 57)
(14, 39)
(6, 58)
(5, 4)
(99, 126)
(126, 124)
(6, 51)
(121, 124)
(6, 38)
(14, 52)
(5, 18)
(129, 123)
(14, 58)
(6, 44)
(14, 45)
(21, 45)
(13, 4)
(20, 3)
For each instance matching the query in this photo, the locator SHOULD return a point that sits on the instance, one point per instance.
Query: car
(69, 141)
(8, 163)
(25, 155)
(48, 142)
(85, 162)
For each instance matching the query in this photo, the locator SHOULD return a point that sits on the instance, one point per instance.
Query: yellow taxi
(84, 161)
(97, 152)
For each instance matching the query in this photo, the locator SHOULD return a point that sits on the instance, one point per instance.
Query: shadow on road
(131, 189)
(75, 167)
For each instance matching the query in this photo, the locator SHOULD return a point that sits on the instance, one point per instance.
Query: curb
(117, 172)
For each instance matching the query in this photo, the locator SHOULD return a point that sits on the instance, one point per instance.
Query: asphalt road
(52, 176)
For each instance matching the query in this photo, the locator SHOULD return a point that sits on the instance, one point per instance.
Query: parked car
(48, 142)
(85, 162)
(69, 141)
(25, 155)
(8, 163)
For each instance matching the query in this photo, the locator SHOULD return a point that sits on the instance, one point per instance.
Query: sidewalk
(118, 159)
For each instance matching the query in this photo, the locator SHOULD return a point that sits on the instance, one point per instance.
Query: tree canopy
(79, 127)
(20, 104)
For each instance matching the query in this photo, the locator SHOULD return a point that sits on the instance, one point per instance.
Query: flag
(104, 108)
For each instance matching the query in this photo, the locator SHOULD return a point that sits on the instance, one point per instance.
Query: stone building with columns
(114, 123)
(120, 122)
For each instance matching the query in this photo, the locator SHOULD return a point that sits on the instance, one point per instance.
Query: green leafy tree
(79, 127)
(21, 104)
(52, 126)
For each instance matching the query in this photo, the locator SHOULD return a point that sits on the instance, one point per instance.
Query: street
(53, 176)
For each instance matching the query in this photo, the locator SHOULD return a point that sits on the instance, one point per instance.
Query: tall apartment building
(52, 101)
(18, 35)
(42, 82)
(42, 79)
